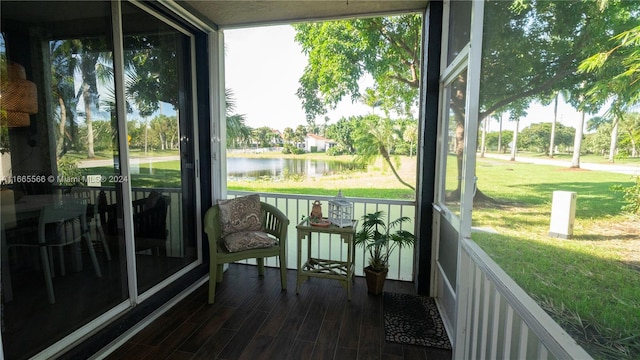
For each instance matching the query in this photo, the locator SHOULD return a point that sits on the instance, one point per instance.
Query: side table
(326, 268)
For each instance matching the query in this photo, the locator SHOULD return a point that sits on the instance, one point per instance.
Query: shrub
(631, 196)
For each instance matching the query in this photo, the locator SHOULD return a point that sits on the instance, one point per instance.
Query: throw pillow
(245, 240)
(240, 214)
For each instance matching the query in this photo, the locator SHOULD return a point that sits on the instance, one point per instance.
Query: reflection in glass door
(61, 265)
(157, 59)
(67, 266)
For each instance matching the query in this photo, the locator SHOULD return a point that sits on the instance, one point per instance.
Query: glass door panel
(157, 58)
(454, 108)
(62, 262)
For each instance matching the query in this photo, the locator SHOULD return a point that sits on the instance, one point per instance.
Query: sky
(263, 66)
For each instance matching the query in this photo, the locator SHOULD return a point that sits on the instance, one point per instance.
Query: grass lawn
(591, 283)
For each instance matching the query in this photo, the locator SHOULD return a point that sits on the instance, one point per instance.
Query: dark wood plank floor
(253, 319)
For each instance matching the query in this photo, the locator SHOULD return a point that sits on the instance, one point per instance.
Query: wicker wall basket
(18, 98)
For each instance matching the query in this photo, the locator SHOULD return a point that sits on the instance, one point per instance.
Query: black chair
(150, 224)
(149, 221)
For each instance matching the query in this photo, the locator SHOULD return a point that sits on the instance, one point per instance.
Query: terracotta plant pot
(375, 280)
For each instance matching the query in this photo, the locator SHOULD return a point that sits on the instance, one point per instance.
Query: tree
(494, 139)
(609, 125)
(63, 66)
(552, 135)
(263, 136)
(165, 130)
(630, 127)
(89, 90)
(237, 132)
(343, 131)
(300, 135)
(536, 136)
(376, 139)
(621, 61)
(549, 40)
(371, 99)
(341, 52)
(410, 134)
(288, 135)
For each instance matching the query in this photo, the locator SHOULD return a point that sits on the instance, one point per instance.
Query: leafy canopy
(341, 53)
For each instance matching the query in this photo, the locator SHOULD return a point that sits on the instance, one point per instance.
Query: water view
(253, 168)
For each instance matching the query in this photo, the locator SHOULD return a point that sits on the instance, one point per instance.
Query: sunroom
(85, 67)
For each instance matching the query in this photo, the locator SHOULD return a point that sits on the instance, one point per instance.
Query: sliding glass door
(98, 166)
(157, 61)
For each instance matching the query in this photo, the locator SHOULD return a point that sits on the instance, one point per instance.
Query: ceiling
(246, 13)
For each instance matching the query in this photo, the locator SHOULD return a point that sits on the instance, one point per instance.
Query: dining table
(13, 210)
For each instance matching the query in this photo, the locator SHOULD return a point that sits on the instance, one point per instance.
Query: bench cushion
(245, 240)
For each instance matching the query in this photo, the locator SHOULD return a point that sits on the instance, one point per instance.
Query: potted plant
(379, 239)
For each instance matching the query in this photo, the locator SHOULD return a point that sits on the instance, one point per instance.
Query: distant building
(317, 143)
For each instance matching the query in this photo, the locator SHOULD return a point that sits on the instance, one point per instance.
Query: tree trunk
(577, 143)
(634, 149)
(61, 127)
(387, 158)
(500, 135)
(87, 115)
(163, 141)
(614, 141)
(552, 140)
(146, 136)
(484, 137)
(514, 146)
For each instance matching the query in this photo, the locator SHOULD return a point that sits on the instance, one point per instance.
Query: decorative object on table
(316, 211)
(315, 217)
(378, 239)
(340, 211)
(413, 319)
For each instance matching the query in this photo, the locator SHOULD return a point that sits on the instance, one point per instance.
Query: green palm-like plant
(379, 239)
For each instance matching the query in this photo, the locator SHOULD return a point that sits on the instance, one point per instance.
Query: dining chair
(63, 225)
(93, 217)
(97, 225)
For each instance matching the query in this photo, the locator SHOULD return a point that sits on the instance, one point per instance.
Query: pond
(252, 168)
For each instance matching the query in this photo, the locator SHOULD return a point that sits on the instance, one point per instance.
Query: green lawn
(584, 282)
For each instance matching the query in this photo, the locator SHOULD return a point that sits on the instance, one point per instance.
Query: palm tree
(555, 97)
(410, 134)
(237, 131)
(375, 140)
(63, 66)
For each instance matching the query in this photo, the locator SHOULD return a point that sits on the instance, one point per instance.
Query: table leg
(300, 236)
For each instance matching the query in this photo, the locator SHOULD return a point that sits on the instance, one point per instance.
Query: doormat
(414, 320)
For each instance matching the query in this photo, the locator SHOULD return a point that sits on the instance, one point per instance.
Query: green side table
(326, 268)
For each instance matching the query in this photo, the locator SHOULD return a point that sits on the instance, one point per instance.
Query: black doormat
(414, 320)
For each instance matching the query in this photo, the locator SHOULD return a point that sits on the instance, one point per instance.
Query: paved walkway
(614, 168)
(109, 162)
